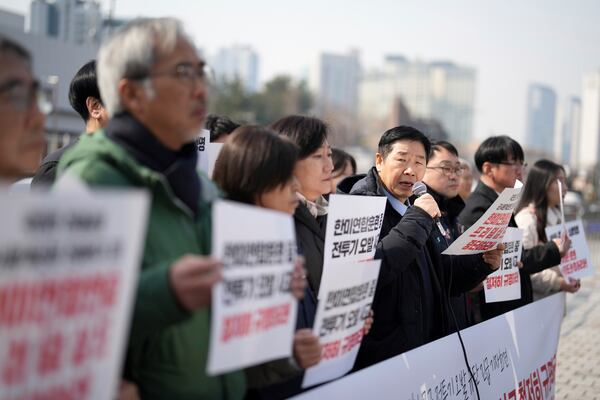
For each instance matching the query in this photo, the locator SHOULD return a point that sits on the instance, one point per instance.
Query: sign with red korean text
(576, 263)
(353, 228)
(505, 283)
(347, 293)
(512, 357)
(68, 272)
(488, 231)
(253, 310)
(207, 153)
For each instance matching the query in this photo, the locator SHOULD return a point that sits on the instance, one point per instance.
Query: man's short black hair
(307, 132)
(402, 132)
(10, 46)
(219, 126)
(84, 85)
(498, 149)
(442, 144)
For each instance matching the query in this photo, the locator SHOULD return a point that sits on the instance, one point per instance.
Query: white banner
(353, 228)
(253, 310)
(489, 230)
(505, 283)
(577, 263)
(68, 272)
(348, 292)
(512, 356)
(207, 153)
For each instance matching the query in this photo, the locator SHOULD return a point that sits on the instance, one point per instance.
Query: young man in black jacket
(499, 160)
(442, 178)
(410, 304)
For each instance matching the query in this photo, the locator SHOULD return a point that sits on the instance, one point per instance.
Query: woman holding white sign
(537, 209)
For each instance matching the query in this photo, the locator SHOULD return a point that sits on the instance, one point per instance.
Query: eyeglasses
(448, 171)
(185, 72)
(23, 96)
(514, 164)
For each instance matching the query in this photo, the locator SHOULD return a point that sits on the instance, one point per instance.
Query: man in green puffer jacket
(154, 89)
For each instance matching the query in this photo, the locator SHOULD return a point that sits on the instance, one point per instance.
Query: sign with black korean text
(576, 263)
(253, 310)
(68, 272)
(489, 230)
(505, 283)
(207, 153)
(512, 356)
(347, 293)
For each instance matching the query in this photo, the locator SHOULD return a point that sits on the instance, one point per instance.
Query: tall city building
(335, 81)
(73, 21)
(569, 142)
(589, 150)
(441, 91)
(237, 62)
(541, 115)
(12, 20)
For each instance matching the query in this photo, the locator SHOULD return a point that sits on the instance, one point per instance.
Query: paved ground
(578, 370)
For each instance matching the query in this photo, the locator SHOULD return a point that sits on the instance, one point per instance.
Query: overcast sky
(511, 43)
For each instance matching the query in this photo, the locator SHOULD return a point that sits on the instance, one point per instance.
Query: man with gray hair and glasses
(153, 85)
(21, 119)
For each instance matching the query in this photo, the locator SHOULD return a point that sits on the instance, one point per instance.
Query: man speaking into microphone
(410, 304)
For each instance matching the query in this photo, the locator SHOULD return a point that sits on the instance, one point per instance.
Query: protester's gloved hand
(494, 257)
(428, 204)
(298, 281)
(570, 285)
(563, 244)
(192, 278)
(307, 349)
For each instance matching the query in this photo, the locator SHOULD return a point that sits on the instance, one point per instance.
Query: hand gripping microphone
(419, 189)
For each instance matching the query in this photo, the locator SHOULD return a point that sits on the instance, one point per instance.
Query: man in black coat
(84, 97)
(499, 159)
(442, 178)
(410, 304)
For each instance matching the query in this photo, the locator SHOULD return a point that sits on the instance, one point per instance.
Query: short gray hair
(131, 52)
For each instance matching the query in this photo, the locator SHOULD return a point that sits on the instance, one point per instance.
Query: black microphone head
(419, 188)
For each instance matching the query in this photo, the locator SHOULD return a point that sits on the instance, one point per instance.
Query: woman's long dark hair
(539, 179)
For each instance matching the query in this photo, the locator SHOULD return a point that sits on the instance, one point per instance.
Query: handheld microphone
(419, 189)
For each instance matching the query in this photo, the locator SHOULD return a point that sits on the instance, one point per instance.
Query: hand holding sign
(298, 283)
(494, 257)
(192, 278)
(307, 348)
(563, 243)
(570, 285)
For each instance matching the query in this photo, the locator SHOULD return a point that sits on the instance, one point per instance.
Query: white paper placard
(207, 153)
(347, 296)
(253, 311)
(505, 283)
(576, 263)
(489, 230)
(68, 273)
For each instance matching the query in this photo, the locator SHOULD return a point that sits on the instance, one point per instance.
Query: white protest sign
(576, 263)
(207, 153)
(68, 272)
(516, 360)
(347, 296)
(489, 230)
(505, 283)
(253, 310)
(353, 228)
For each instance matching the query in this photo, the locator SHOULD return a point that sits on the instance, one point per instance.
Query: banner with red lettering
(576, 263)
(512, 356)
(68, 272)
(253, 310)
(347, 293)
(488, 231)
(505, 284)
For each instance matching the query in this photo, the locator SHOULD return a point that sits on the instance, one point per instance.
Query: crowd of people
(144, 101)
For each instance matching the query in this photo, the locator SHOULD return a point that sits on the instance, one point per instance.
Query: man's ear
(486, 168)
(132, 94)
(94, 107)
(379, 162)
